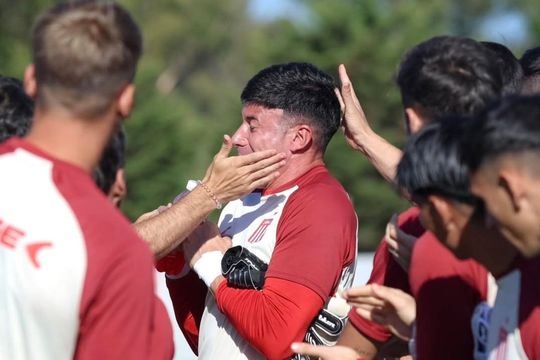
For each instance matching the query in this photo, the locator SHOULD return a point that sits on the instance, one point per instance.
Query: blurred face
(458, 225)
(261, 129)
(436, 219)
(512, 199)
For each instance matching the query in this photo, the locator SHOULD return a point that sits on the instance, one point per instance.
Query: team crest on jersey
(259, 232)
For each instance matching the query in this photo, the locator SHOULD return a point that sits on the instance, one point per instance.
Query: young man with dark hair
(530, 62)
(301, 226)
(505, 174)
(16, 108)
(109, 174)
(74, 272)
(505, 169)
(441, 76)
(509, 65)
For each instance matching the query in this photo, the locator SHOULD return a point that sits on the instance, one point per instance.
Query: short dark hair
(16, 108)
(448, 75)
(530, 62)
(112, 160)
(509, 66)
(303, 92)
(432, 162)
(511, 125)
(84, 52)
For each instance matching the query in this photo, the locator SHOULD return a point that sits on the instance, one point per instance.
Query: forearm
(164, 232)
(383, 155)
(270, 319)
(362, 344)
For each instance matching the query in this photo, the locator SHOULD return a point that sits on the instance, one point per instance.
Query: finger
(347, 89)
(311, 350)
(255, 157)
(366, 302)
(340, 99)
(264, 181)
(275, 161)
(265, 171)
(226, 148)
(371, 315)
(358, 291)
(392, 244)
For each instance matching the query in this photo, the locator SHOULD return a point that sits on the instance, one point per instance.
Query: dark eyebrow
(250, 118)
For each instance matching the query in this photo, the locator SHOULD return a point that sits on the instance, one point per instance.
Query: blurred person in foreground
(439, 77)
(74, 271)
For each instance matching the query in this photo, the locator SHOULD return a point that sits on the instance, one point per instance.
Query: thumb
(226, 147)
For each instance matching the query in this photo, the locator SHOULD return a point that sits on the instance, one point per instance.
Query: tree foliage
(200, 53)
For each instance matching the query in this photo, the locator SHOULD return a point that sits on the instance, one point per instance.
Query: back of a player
(66, 270)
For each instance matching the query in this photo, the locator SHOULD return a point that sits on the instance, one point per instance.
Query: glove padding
(327, 326)
(243, 269)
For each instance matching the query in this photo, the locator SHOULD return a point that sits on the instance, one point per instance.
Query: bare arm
(227, 178)
(361, 344)
(359, 135)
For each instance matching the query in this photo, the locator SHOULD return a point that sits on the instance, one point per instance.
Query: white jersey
(256, 222)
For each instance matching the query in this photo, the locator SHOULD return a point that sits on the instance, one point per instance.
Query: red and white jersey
(76, 280)
(305, 230)
(386, 271)
(514, 330)
(447, 291)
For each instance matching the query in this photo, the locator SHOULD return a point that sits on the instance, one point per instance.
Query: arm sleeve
(188, 296)
(316, 240)
(270, 319)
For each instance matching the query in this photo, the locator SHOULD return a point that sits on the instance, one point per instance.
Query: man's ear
(118, 190)
(126, 100)
(415, 119)
(29, 81)
(512, 185)
(441, 211)
(302, 138)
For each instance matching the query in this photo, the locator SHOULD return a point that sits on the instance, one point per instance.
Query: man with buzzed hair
(77, 281)
(505, 174)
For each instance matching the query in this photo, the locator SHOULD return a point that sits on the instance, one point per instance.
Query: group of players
(452, 278)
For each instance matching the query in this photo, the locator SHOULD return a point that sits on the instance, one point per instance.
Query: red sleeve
(386, 271)
(447, 291)
(121, 300)
(188, 296)
(316, 239)
(120, 316)
(270, 319)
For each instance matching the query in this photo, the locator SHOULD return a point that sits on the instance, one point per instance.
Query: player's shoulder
(319, 183)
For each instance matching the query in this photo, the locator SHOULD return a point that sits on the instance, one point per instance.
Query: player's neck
(295, 167)
(76, 141)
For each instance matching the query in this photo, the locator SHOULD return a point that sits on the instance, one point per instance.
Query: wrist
(208, 266)
(210, 192)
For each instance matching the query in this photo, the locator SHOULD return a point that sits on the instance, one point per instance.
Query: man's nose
(239, 138)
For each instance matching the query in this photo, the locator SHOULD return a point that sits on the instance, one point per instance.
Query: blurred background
(200, 53)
